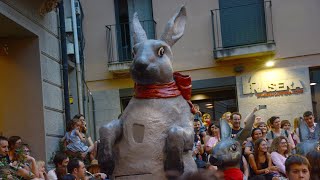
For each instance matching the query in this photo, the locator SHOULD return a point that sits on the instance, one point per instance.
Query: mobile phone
(262, 106)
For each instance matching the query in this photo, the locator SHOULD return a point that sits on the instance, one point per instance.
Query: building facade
(31, 81)
(225, 47)
(31, 71)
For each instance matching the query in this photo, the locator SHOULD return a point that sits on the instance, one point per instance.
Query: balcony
(243, 31)
(119, 44)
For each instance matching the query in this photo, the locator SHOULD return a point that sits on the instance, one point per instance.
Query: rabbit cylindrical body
(155, 133)
(140, 153)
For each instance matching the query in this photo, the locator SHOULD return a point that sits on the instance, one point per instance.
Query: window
(124, 10)
(242, 22)
(216, 101)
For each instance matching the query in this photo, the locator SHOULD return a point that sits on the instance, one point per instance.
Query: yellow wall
(21, 111)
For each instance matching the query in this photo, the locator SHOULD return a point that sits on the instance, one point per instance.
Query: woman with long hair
(15, 143)
(296, 123)
(260, 161)
(280, 150)
(256, 133)
(214, 133)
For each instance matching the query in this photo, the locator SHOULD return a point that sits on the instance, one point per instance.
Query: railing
(120, 40)
(237, 26)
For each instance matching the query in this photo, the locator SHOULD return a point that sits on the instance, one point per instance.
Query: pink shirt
(278, 160)
(212, 141)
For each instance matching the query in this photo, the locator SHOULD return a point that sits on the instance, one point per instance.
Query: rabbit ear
(175, 27)
(246, 131)
(303, 131)
(139, 35)
(225, 130)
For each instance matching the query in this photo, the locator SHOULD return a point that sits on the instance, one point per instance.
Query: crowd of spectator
(16, 161)
(270, 151)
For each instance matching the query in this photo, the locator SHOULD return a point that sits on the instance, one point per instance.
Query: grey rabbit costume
(153, 136)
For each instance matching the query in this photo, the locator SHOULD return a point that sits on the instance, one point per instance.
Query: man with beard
(236, 120)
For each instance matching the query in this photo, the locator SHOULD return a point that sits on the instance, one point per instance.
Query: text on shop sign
(271, 88)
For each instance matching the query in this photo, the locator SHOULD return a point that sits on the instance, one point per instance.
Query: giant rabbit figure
(154, 135)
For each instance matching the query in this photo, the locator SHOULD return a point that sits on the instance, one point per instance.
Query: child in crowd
(227, 117)
(76, 140)
(297, 167)
(206, 120)
(41, 165)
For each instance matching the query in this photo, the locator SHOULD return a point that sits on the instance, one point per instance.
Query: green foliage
(6, 172)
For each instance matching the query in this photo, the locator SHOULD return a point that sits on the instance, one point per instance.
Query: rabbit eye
(160, 51)
(233, 147)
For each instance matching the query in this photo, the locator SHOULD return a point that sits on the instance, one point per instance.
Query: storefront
(286, 92)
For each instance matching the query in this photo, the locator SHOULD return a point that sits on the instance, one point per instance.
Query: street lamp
(270, 63)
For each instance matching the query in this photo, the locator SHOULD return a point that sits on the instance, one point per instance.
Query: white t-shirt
(52, 175)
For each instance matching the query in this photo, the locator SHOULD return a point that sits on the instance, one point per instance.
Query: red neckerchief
(233, 174)
(180, 86)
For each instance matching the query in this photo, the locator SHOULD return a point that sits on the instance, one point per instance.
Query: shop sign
(262, 88)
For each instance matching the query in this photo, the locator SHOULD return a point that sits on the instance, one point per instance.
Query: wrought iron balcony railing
(241, 26)
(120, 40)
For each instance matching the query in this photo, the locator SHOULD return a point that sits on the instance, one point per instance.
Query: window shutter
(242, 22)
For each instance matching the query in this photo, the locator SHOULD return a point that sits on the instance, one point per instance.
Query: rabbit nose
(140, 66)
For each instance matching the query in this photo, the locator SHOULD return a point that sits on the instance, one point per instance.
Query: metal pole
(64, 62)
(76, 49)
